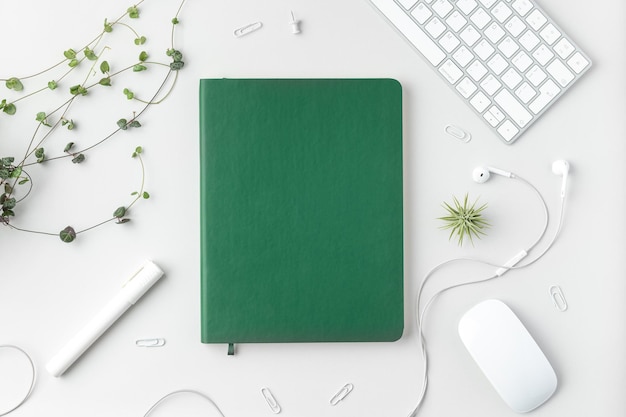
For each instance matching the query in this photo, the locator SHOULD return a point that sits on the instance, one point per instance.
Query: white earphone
(482, 174)
(559, 167)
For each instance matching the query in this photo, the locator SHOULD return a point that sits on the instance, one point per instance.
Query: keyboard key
(470, 35)
(463, 56)
(484, 49)
(480, 18)
(480, 101)
(407, 4)
(442, 7)
(560, 73)
(522, 61)
(550, 34)
(511, 78)
(450, 71)
(578, 62)
(536, 75)
(515, 26)
(476, 70)
(536, 20)
(529, 40)
(466, 6)
(497, 64)
(513, 108)
(501, 12)
(421, 13)
(522, 7)
(466, 87)
(413, 33)
(543, 54)
(547, 92)
(508, 130)
(488, 3)
(490, 85)
(494, 33)
(456, 21)
(449, 41)
(508, 47)
(564, 48)
(525, 92)
(435, 27)
(493, 116)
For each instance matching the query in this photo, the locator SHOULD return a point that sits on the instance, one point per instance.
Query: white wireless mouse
(508, 355)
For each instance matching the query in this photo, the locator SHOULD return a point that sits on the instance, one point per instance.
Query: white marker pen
(132, 291)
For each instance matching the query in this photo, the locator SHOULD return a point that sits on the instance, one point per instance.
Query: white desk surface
(49, 289)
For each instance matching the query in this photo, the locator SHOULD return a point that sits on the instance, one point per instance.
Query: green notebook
(301, 210)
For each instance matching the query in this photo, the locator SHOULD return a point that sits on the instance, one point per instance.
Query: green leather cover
(301, 210)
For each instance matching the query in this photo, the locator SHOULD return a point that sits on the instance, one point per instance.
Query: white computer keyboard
(506, 58)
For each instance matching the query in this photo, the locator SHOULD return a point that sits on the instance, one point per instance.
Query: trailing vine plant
(16, 182)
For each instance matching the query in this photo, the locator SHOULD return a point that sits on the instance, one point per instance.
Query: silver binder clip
(271, 401)
(341, 394)
(245, 30)
(558, 298)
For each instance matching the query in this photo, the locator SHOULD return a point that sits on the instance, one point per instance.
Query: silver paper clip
(271, 401)
(558, 298)
(458, 133)
(341, 394)
(245, 30)
(150, 342)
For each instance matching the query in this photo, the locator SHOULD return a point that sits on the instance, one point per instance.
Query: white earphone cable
(420, 315)
(32, 380)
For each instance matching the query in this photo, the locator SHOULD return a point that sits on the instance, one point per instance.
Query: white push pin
(295, 25)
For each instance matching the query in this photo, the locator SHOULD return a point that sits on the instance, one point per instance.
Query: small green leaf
(68, 147)
(140, 41)
(176, 65)
(73, 63)
(90, 55)
(68, 234)
(9, 109)
(52, 85)
(143, 56)
(134, 193)
(104, 67)
(78, 89)
(133, 12)
(119, 212)
(23, 181)
(122, 124)
(7, 212)
(105, 81)
(4, 173)
(9, 203)
(122, 221)
(134, 123)
(39, 153)
(145, 195)
(41, 116)
(70, 54)
(139, 68)
(175, 21)
(14, 84)
(16, 172)
(108, 28)
(69, 123)
(78, 158)
(129, 94)
(138, 149)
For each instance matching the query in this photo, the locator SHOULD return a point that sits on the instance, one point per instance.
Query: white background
(49, 290)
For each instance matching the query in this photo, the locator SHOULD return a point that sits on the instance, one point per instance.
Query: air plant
(464, 220)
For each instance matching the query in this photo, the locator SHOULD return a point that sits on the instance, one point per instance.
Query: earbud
(561, 167)
(482, 174)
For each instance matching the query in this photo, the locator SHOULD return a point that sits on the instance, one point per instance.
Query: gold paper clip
(341, 394)
(245, 30)
(271, 401)
(558, 298)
